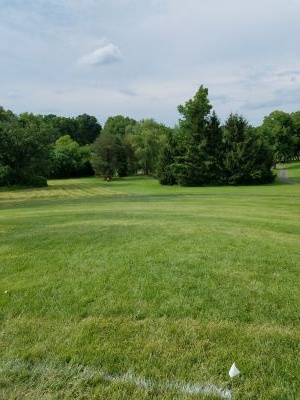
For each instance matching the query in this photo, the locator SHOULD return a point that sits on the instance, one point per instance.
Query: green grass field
(131, 290)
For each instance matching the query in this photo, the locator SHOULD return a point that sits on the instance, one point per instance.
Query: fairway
(131, 290)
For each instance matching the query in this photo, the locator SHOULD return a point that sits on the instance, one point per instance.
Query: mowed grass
(104, 284)
(293, 172)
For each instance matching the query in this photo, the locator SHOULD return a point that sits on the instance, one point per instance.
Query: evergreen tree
(247, 158)
(165, 166)
(206, 154)
(214, 149)
(192, 168)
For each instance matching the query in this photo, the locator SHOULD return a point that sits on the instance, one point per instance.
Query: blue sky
(142, 58)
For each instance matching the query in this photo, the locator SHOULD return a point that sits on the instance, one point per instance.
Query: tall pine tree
(201, 141)
(247, 157)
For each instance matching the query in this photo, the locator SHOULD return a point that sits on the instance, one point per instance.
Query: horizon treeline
(198, 151)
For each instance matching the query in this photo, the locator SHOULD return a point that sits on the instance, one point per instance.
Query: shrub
(38, 181)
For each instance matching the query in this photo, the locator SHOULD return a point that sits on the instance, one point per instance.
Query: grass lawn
(293, 172)
(131, 290)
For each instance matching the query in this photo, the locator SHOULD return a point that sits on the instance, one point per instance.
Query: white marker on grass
(234, 371)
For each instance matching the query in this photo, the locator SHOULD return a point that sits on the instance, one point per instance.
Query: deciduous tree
(278, 129)
(25, 150)
(69, 159)
(147, 140)
(104, 156)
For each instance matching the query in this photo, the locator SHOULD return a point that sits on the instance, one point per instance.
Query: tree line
(198, 151)
(35, 147)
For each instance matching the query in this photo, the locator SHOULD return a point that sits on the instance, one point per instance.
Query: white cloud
(105, 55)
(243, 52)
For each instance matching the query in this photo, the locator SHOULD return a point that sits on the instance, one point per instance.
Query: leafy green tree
(147, 140)
(87, 130)
(62, 126)
(30, 119)
(131, 158)
(104, 156)
(121, 156)
(69, 159)
(7, 119)
(121, 127)
(7, 115)
(25, 150)
(278, 129)
(296, 129)
(84, 129)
